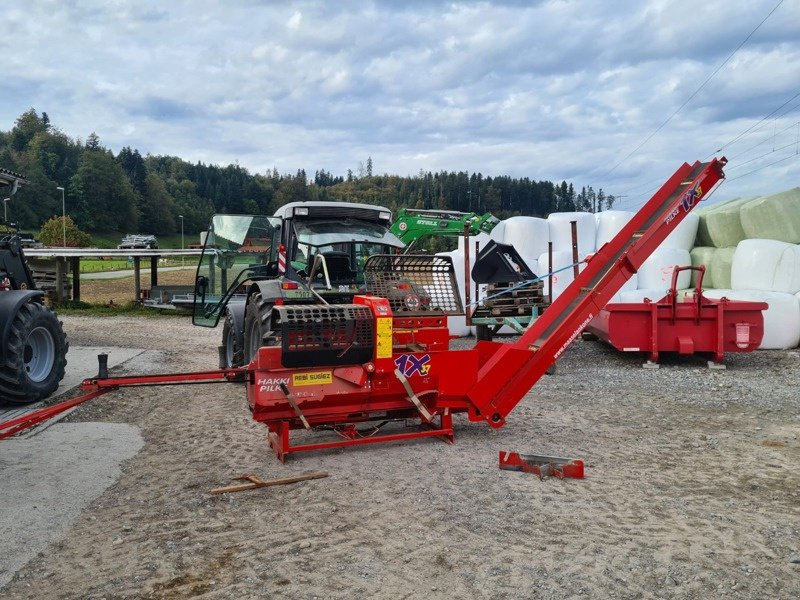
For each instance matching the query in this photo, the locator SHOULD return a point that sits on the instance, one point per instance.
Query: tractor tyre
(36, 355)
(234, 353)
(257, 326)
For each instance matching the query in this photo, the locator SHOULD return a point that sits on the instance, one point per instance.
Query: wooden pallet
(513, 303)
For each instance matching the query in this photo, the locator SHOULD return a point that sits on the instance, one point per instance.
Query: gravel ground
(692, 491)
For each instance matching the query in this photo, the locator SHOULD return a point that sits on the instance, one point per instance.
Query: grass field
(98, 265)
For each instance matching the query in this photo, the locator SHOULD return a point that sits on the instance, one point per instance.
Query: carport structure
(68, 259)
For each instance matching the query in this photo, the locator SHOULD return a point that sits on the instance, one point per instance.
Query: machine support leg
(447, 427)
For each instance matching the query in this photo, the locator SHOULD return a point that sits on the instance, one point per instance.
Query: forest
(131, 193)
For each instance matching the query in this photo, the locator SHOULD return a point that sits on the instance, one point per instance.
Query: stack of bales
(531, 236)
(750, 250)
(748, 246)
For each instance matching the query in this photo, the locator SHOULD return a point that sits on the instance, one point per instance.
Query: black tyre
(36, 355)
(483, 333)
(257, 326)
(234, 353)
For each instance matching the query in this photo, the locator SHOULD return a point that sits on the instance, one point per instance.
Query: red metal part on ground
(543, 466)
(692, 325)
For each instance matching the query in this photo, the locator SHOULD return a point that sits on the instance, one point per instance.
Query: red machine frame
(414, 375)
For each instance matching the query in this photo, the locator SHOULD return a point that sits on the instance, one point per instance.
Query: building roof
(11, 178)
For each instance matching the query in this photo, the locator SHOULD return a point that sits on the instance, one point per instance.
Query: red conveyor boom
(513, 369)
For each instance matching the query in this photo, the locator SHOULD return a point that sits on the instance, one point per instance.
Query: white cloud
(295, 20)
(549, 90)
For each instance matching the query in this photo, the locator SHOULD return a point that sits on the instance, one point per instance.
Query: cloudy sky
(613, 94)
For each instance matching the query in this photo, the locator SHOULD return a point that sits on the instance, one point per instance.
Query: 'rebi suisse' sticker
(313, 378)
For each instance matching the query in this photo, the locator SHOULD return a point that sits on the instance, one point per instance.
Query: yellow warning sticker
(315, 378)
(384, 335)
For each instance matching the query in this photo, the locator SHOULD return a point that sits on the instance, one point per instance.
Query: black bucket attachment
(500, 263)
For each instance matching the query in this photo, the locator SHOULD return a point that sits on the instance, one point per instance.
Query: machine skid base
(280, 442)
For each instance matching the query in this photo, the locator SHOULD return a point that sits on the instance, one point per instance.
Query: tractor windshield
(237, 248)
(352, 240)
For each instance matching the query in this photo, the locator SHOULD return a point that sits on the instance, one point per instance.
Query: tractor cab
(307, 251)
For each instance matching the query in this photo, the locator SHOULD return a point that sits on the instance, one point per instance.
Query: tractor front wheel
(36, 355)
(234, 354)
(257, 326)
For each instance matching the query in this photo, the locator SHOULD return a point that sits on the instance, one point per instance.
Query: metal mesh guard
(430, 278)
(317, 326)
(332, 327)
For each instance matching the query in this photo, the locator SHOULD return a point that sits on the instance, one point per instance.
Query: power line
(746, 131)
(697, 91)
(772, 137)
(773, 151)
(785, 158)
(632, 190)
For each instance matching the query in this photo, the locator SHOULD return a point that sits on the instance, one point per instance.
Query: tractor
(34, 346)
(307, 253)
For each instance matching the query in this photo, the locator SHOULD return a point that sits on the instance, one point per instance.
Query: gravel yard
(692, 491)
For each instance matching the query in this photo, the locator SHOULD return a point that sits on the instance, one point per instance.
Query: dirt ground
(692, 491)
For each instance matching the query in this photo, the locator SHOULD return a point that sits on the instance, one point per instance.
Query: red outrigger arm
(514, 369)
(97, 386)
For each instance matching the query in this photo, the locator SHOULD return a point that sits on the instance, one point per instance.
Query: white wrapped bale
(609, 224)
(638, 296)
(482, 239)
(781, 319)
(499, 230)
(561, 280)
(683, 235)
(528, 235)
(724, 224)
(775, 217)
(767, 265)
(656, 272)
(561, 231)
(702, 256)
(458, 324)
(720, 267)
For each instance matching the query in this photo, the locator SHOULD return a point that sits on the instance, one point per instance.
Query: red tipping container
(692, 325)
